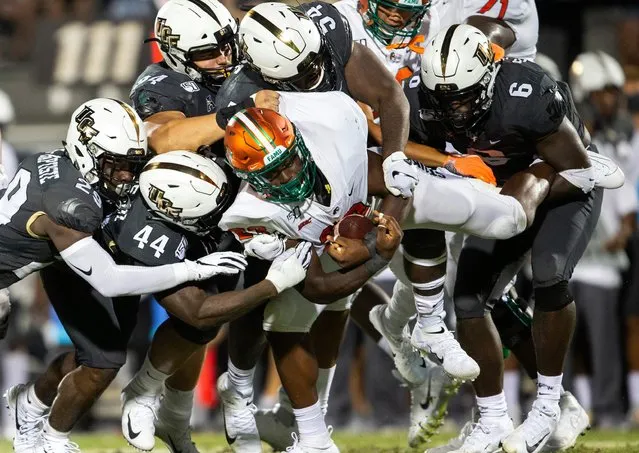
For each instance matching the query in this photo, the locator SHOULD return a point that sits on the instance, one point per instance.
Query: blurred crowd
(604, 371)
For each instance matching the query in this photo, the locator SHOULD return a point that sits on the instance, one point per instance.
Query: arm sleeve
(95, 265)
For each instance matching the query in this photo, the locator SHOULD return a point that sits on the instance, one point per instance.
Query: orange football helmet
(258, 142)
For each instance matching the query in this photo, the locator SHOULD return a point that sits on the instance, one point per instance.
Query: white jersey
(520, 15)
(334, 130)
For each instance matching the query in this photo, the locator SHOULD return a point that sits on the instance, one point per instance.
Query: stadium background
(55, 54)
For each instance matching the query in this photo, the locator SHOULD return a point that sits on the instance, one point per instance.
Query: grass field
(391, 441)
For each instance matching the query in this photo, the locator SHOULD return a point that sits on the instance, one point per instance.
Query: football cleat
(486, 435)
(533, 434)
(429, 404)
(573, 421)
(29, 421)
(138, 419)
(239, 419)
(410, 365)
(448, 350)
(276, 426)
(456, 442)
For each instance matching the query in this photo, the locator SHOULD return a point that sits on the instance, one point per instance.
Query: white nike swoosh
(494, 142)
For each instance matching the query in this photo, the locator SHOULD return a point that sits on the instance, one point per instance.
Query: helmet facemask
(462, 110)
(109, 164)
(411, 12)
(298, 188)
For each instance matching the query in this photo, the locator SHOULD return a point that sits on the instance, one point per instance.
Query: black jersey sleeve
(239, 86)
(421, 121)
(67, 198)
(158, 90)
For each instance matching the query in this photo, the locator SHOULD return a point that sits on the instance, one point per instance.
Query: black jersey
(245, 82)
(527, 106)
(135, 236)
(45, 184)
(160, 89)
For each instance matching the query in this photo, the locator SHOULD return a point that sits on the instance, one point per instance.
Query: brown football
(353, 226)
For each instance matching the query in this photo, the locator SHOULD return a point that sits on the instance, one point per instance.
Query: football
(353, 226)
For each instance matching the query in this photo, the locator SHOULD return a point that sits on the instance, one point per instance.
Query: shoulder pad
(71, 211)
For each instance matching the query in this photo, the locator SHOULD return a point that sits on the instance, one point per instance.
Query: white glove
(265, 246)
(220, 263)
(289, 268)
(400, 174)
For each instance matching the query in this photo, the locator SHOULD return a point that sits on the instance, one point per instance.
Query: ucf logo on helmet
(165, 34)
(85, 125)
(164, 205)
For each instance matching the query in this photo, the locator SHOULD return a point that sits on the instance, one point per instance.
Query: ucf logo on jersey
(164, 205)
(165, 34)
(85, 125)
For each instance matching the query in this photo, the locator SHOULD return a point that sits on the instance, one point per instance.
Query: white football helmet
(192, 30)
(186, 189)
(594, 71)
(106, 135)
(286, 47)
(458, 72)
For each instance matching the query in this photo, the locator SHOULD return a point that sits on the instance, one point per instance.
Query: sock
(311, 426)
(36, 406)
(583, 391)
(149, 380)
(511, 387)
(242, 380)
(384, 345)
(492, 406)
(399, 309)
(633, 389)
(177, 403)
(430, 309)
(549, 387)
(324, 381)
(53, 434)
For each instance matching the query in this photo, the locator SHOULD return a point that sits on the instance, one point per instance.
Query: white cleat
(276, 426)
(486, 435)
(535, 431)
(297, 447)
(57, 445)
(239, 420)
(448, 350)
(456, 442)
(429, 404)
(573, 421)
(176, 434)
(410, 365)
(28, 421)
(139, 413)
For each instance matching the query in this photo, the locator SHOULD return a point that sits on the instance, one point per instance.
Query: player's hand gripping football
(265, 246)
(400, 175)
(389, 235)
(471, 166)
(267, 99)
(220, 263)
(289, 269)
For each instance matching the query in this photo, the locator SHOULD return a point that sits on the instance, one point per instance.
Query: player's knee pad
(427, 245)
(290, 312)
(506, 223)
(553, 297)
(468, 307)
(193, 334)
(510, 324)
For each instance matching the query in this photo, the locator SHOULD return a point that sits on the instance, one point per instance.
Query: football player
(51, 208)
(176, 97)
(510, 113)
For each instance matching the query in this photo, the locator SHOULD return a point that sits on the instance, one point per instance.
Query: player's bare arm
(172, 130)
(196, 307)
